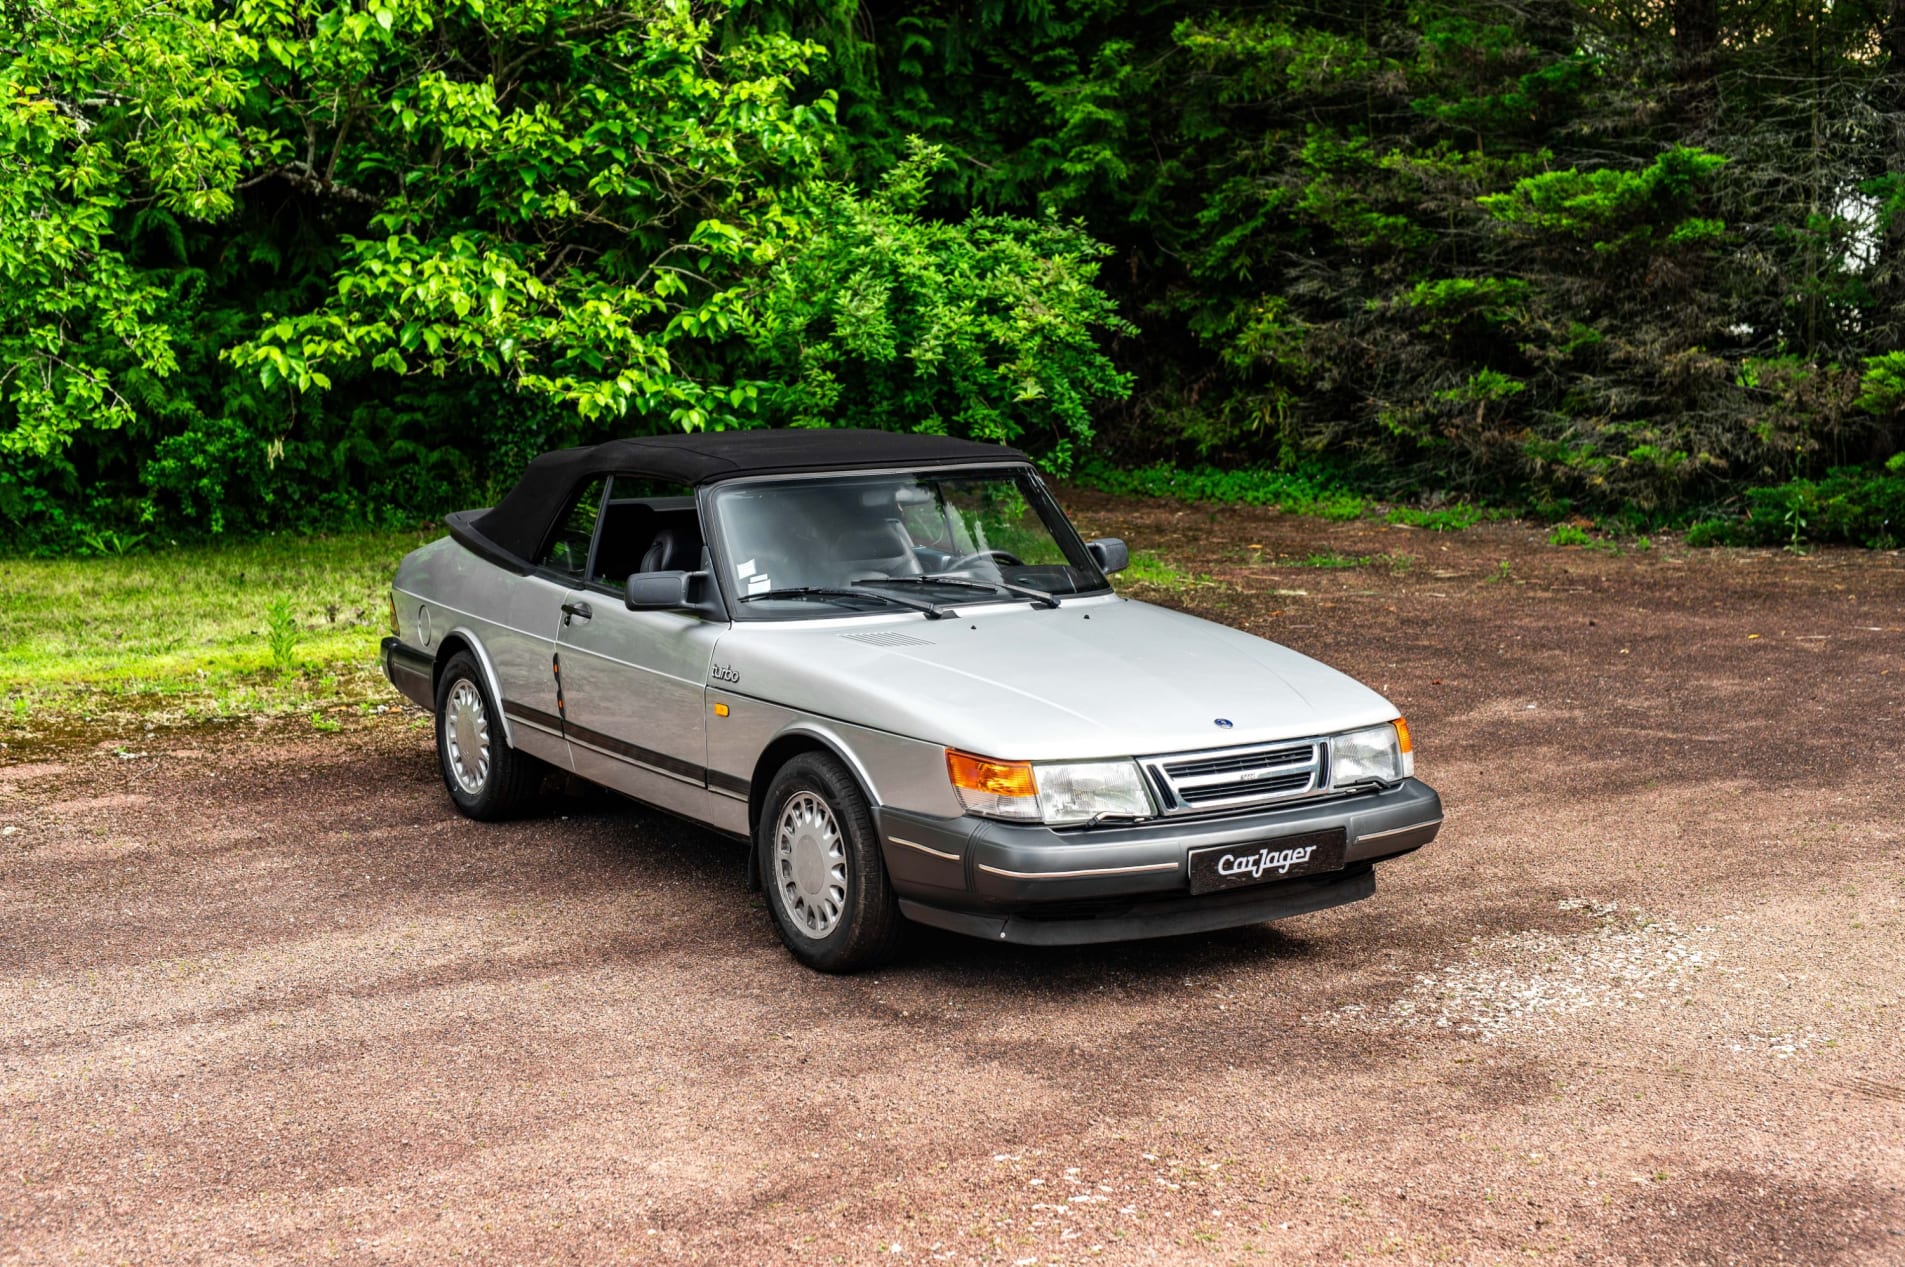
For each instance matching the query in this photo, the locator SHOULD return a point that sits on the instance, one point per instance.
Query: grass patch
(279, 625)
(1852, 505)
(1147, 568)
(1304, 491)
(1575, 535)
(1442, 519)
(1299, 492)
(1330, 560)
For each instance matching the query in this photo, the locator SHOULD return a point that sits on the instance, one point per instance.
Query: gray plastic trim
(914, 844)
(1072, 875)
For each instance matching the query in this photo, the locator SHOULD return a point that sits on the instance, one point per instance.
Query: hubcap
(466, 734)
(810, 864)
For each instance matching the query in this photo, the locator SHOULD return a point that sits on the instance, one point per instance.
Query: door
(633, 685)
(522, 648)
(522, 643)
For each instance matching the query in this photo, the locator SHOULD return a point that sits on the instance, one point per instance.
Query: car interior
(790, 537)
(814, 536)
(650, 534)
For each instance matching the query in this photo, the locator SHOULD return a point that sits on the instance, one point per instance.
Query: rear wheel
(821, 868)
(486, 778)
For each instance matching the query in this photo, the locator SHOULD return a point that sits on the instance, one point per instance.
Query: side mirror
(1110, 554)
(674, 591)
(657, 591)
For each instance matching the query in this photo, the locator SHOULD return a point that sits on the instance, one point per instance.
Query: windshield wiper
(933, 610)
(1041, 597)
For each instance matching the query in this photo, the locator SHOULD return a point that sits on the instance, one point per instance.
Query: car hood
(1093, 678)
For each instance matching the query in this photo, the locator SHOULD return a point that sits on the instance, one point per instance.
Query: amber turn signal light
(1402, 736)
(995, 778)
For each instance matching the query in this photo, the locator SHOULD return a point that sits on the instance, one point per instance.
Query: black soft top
(513, 530)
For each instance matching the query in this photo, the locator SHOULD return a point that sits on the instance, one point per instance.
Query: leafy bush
(985, 328)
(1713, 532)
(1848, 505)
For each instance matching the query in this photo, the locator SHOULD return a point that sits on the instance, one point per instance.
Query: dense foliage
(268, 258)
(1584, 256)
(270, 261)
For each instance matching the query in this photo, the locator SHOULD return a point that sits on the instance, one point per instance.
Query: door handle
(576, 611)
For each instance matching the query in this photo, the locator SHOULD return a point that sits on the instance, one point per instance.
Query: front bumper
(1026, 882)
(411, 671)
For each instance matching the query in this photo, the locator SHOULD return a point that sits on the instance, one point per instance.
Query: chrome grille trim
(1240, 777)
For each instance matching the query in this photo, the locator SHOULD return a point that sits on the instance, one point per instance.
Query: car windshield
(833, 545)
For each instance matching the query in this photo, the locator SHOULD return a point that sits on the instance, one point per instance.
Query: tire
(821, 868)
(486, 778)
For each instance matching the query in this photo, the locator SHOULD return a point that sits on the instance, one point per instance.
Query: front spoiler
(1026, 882)
(1166, 917)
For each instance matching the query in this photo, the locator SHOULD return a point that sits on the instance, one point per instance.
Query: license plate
(1262, 861)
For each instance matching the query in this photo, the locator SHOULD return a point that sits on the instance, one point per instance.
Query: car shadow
(1165, 960)
(668, 850)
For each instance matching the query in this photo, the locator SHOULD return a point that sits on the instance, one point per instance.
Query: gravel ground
(263, 998)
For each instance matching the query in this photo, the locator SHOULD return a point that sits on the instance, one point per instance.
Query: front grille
(1238, 778)
(1258, 787)
(1239, 762)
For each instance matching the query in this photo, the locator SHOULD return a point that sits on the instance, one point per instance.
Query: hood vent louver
(888, 638)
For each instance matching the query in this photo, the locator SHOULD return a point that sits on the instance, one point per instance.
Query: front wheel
(820, 866)
(487, 779)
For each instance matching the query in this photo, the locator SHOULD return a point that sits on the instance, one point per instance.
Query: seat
(675, 547)
(627, 530)
(874, 550)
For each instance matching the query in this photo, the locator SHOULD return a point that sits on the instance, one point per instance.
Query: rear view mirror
(1110, 554)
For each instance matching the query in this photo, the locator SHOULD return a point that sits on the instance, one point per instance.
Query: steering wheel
(997, 556)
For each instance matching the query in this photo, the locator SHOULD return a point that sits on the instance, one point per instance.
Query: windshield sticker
(759, 583)
(745, 570)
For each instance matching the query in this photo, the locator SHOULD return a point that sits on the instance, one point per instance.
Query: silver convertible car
(890, 664)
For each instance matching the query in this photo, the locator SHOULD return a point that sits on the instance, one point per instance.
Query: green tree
(313, 258)
(988, 328)
(116, 124)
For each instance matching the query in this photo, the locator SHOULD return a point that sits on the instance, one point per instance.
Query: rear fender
(448, 646)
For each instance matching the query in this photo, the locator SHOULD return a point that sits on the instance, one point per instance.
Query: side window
(648, 525)
(568, 550)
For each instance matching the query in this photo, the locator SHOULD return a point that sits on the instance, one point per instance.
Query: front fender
(746, 737)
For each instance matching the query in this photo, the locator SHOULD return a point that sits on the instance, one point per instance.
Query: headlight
(1379, 754)
(1079, 792)
(1060, 793)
